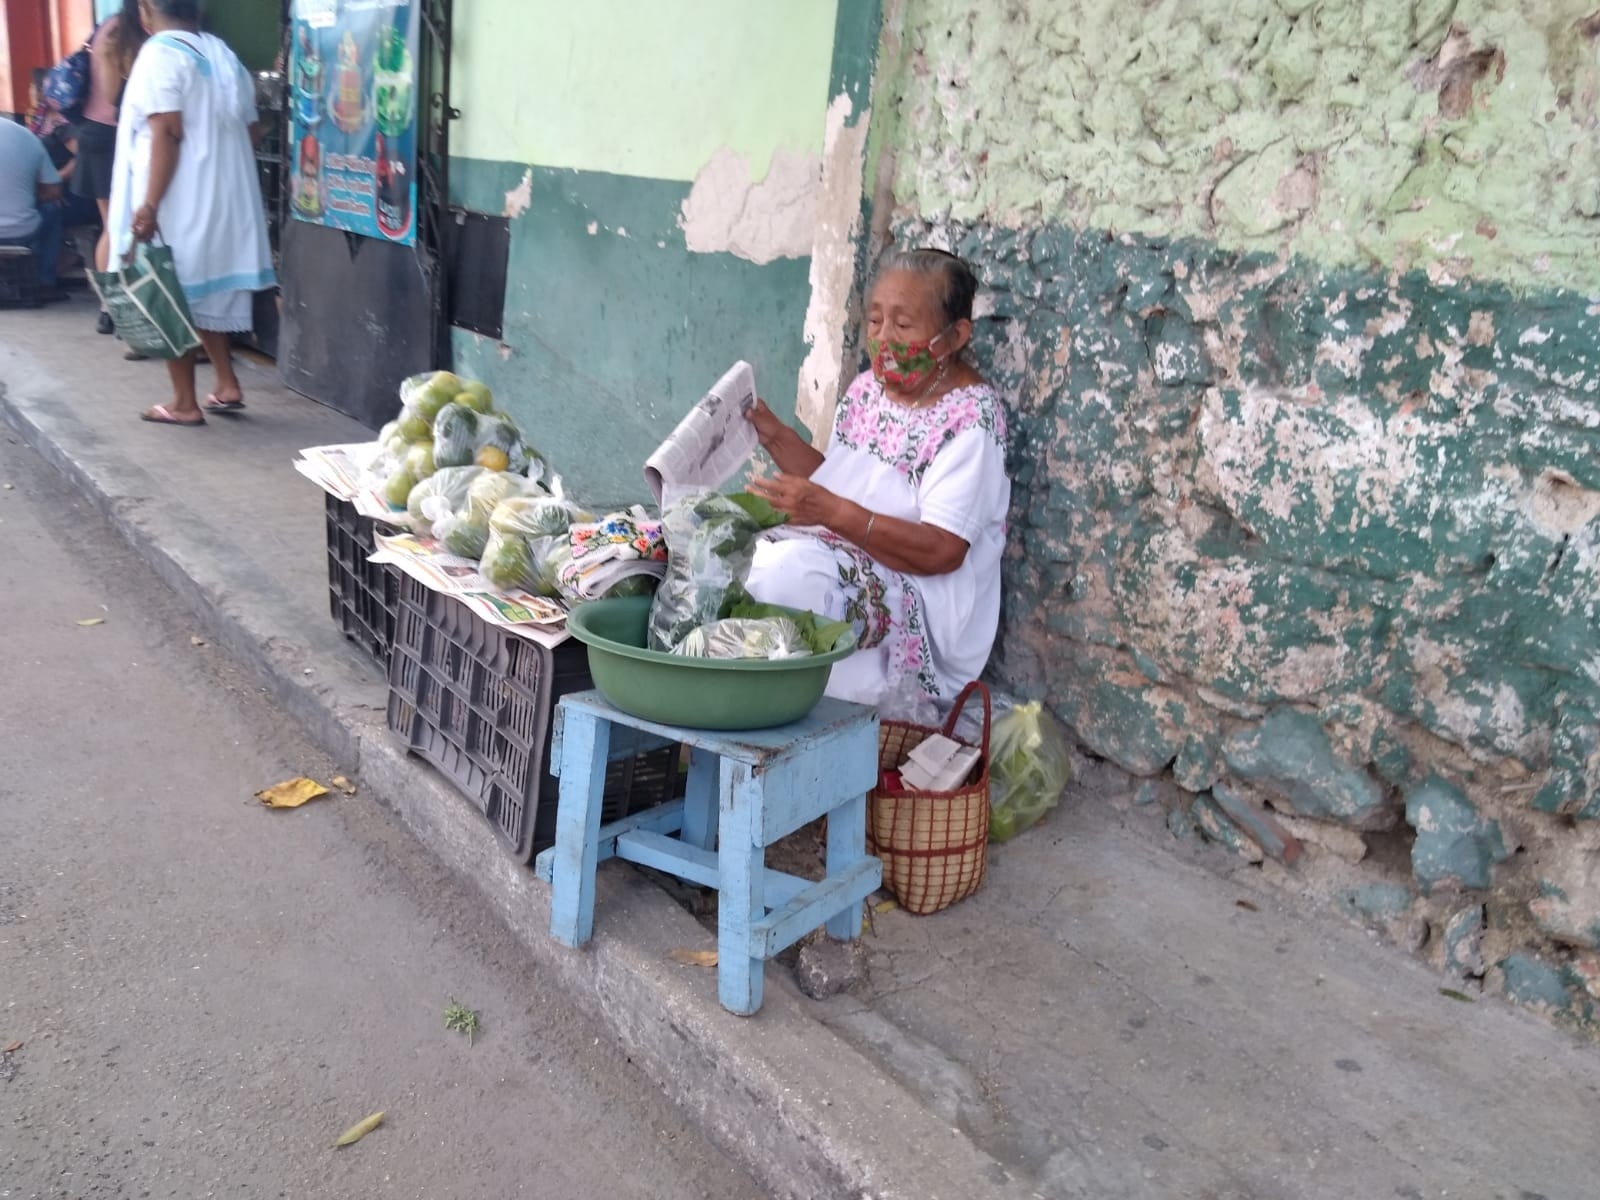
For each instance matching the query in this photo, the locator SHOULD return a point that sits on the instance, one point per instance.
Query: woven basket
(934, 845)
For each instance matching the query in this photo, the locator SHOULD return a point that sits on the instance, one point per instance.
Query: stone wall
(1298, 307)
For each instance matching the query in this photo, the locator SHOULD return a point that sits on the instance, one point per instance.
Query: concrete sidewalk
(1103, 1020)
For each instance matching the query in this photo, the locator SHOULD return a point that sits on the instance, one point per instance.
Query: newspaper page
(344, 473)
(710, 444)
(536, 618)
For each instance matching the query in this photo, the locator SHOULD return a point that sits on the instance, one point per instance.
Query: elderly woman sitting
(899, 527)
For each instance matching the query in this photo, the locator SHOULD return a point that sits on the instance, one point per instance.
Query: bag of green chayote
(1029, 767)
(711, 544)
(529, 542)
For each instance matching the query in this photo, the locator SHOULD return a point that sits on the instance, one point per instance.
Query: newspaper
(344, 473)
(710, 444)
(536, 618)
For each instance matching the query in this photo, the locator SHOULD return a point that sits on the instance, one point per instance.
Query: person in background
(30, 203)
(112, 52)
(900, 526)
(185, 169)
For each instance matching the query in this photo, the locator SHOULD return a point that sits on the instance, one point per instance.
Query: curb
(804, 1111)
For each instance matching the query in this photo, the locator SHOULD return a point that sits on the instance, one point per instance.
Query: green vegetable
(1029, 768)
(819, 633)
(529, 542)
(440, 494)
(455, 436)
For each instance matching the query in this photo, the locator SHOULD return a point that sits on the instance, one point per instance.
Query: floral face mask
(906, 366)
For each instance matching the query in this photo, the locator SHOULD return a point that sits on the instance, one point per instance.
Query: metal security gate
(360, 314)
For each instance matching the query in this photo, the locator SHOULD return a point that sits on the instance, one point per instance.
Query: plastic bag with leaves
(711, 543)
(529, 542)
(769, 638)
(1029, 767)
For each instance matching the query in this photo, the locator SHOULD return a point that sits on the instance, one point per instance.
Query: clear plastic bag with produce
(436, 497)
(529, 542)
(769, 638)
(464, 530)
(1029, 767)
(711, 542)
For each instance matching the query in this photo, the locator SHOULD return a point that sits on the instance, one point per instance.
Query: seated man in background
(30, 203)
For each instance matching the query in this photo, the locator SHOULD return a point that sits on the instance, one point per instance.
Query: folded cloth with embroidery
(623, 548)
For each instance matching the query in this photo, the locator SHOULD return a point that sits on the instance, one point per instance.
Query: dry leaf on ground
(883, 906)
(195, 641)
(694, 958)
(344, 785)
(12, 1048)
(92, 621)
(359, 1130)
(291, 793)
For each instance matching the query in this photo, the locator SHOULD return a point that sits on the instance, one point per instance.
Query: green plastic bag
(147, 304)
(1029, 768)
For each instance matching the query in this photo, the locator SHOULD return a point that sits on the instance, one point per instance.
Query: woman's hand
(806, 503)
(144, 223)
(767, 423)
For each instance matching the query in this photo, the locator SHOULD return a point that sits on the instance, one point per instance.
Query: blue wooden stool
(746, 790)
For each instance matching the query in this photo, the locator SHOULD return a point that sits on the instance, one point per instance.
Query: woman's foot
(103, 324)
(162, 415)
(221, 402)
(135, 356)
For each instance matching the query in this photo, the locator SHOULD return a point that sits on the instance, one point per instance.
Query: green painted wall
(647, 89)
(1297, 307)
(605, 131)
(613, 329)
(1345, 131)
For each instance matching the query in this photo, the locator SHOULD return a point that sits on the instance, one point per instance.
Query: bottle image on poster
(353, 116)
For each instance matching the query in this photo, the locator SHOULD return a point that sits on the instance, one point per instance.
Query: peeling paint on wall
(833, 255)
(1460, 136)
(771, 218)
(519, 198)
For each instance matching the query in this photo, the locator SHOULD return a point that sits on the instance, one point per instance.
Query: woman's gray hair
(178, 10)
(958, 284)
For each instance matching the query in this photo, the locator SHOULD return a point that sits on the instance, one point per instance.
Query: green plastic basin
(695, 693)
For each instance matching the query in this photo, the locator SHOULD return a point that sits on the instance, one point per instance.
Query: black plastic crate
(476, 702)
(19, 278)
(363, 596)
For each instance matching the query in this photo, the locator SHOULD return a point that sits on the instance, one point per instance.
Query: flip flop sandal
(162, 415)
(223, 406)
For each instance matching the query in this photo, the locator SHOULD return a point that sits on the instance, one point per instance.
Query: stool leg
(847, 845)
(700, 801)
(741, 867)
(585, 741)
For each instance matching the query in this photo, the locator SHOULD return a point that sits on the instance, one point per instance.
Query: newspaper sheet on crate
(342, 472)
(710, 444)
(536, 618)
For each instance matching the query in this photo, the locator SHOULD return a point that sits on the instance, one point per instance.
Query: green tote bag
(146, 303)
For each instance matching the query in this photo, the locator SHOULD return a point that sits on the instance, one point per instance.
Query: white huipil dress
(211, 215)
(944, 465)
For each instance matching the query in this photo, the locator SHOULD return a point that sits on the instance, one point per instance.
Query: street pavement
(1115, 1014)
(205, 993)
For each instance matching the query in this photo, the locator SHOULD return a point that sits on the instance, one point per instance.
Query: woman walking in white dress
(900, 526)
(185, 171)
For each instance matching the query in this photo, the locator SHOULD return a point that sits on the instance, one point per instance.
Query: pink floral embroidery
(909, 439)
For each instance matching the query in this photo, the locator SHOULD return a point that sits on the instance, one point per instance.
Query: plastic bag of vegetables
(771, 637)
(1029, 767)
(441, 494)
(465, 529)
(528, 543)
(711, 542)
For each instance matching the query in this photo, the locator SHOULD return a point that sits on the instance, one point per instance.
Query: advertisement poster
(353, 108)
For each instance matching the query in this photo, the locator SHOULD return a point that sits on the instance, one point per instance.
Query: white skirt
(224, 312)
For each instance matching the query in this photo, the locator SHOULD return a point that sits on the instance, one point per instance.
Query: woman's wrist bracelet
(872, 519)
